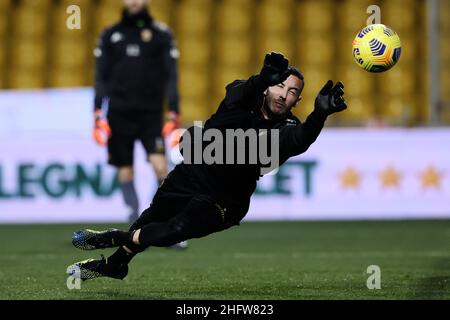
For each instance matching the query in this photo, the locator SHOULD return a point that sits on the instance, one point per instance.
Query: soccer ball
(376, 48)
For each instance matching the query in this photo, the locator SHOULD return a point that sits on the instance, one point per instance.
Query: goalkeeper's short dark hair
(296, 72)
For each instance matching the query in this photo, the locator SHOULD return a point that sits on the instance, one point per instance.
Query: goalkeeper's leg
(201, 216)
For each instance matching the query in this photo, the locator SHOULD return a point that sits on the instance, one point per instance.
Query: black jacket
(234, 184)
(136, 65)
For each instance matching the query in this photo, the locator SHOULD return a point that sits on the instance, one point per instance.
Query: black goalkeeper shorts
(127, 126)
(178, 202)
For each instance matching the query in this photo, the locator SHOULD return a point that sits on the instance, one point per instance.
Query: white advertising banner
(52, 171)
(362, 174)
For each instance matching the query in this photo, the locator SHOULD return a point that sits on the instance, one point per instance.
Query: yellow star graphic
(350, 178)
(431, 178)
(390, 177)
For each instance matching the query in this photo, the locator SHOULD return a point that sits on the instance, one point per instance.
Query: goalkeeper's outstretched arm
(103, 66)
(299, 138)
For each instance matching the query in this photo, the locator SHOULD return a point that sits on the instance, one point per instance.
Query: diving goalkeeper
(197, 199)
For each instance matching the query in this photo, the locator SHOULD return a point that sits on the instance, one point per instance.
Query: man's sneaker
(87, 239)
(92, 268)
(180, 245)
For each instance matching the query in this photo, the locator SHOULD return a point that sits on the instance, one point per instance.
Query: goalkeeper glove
(275, 69)
(101, 131)
(172, 123)
(330, 99)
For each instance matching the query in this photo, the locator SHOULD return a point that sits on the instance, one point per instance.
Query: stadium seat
(3, 23)
(107, 13)
(274, 17)
(2, 54)
(67, 77)
(280, 43)
(32, 5)
(193, 17)
(397, 110)
(194, 52)
(316, 50)
(81, 3)
(444, 21)
(5, 5)
(234, 51)
(234, 16)
(2, 78)
(315, 78)
(445, 84)
(344, 53)
(361, 105)
(445, 47)
(161, 10)
(393, 15)
(69, 52)
(36, 4)
(26, 78)
(352, 15)
(195, 109)
(29, 52)
(63, 4)
(409, 48)
(28, 19)
(399, 81)
(194, 83)
(361, 110)
(224, 76)
(314, 16)
(356, 80)
(88, 73)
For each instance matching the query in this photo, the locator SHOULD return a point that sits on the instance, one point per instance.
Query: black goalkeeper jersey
(136, 65)
(234, 184)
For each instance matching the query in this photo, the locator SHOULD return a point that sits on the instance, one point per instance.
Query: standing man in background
(136, 69)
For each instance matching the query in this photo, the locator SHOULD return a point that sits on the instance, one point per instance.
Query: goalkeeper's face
(134, 6)
(282, 97)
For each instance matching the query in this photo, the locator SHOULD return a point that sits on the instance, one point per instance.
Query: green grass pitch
(258, 260)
